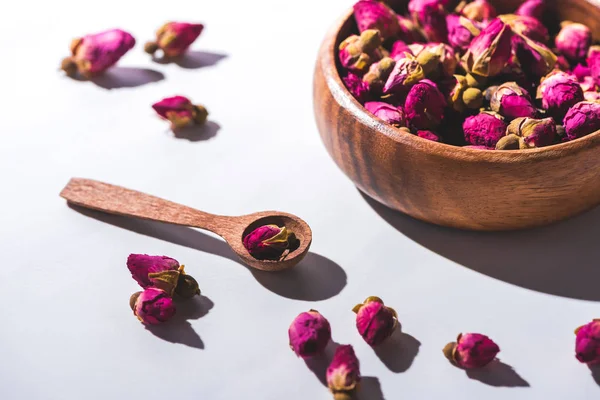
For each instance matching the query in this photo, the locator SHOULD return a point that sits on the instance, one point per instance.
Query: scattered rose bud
(510, 142)
(534, 57)
(484, 129)
(471, 350)
(152, 306)
(93, 54)
(424, 107)
(534, 132)
(387, 112)
(559, 91)
(428, 135)
(174, 38)
(587, 343)
(438, 60)
(378, 75)
(375, 321)
(269, 242)
(527, 26)
(512, 101)
(532, 8)
(399, 48)
(309, 334)
(180, 111)
(461, 31)
(478, 10)
(343, 374)
(163, 273)
(405, 74)
(430, 15)
(574, 40)
(490, 51)
(376, 15)
(582, 119)
(357, 53)
(409, 32)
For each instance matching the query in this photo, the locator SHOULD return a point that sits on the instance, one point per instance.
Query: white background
(66, 330)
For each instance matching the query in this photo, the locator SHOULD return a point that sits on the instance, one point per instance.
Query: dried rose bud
(140, 265)
(559, 91)
(510, 142)
(484, 129)
(587, 343)
(461, 31)
(478, 10)
(532, 8)
(269, 242)
(356, 86)
(409, 32)
(562, 63)
(581, 72)
(376, 15)
(534, 132)
(438, 60)
(152, 306)
(428, 135)
(375, 321)
(378, 75)
(455, 97)
(591, 96)
(582, 119)
(471, 350)
(405, 74)
(424, 108)
(512, 101)
(399, 50)
(574, 40)
(343, 374)
(534, 57)
(490, 51)
(387, 112)
(357, 53)
(417, 48)
(163, 273)
(180, 111)
(93, 54)
(476, 81)
(174, 38)
(489, 92)
(430, 15)
(309, 334)
(527, 26)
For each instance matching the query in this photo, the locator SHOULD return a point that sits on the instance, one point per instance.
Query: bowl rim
(328, 65)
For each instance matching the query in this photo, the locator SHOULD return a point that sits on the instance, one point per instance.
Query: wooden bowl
(448, 185)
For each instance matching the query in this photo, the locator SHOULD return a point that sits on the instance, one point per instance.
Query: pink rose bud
(357, 53)
(484, 129)
(94, 54)
(534, 57)
(343, 374)
(533, 132)
(587, 343)
(375, 321)
(269, 242)
(428, 135)
(438, 60)
(478, 10)
(152, 306)
(405, 74)
(425, 105)
(356, 86)
(512, 101)
(581, 72)
(371, 14)
(490, 51)
(593, 62)
(180, 112)
(574, 41)
(174, 38)
(387, 112)
(461, 31)
(163, 273)
(409, 32)
(430, 15)
(582, 119)
(471, 350)
(309, 334)
(559, 91)
(532, 8)
(378, 75)
(399, 48)
(529, 27)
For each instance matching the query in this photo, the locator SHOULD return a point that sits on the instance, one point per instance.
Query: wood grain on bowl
(448, 185)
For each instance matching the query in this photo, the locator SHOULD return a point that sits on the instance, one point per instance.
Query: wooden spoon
(120, 201)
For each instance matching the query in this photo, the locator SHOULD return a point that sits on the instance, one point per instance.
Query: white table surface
(66, 330)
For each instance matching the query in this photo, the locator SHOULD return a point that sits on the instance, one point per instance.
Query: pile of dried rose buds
(501, 80)
(162, 279)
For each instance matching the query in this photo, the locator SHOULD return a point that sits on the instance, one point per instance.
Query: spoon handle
(120, 201)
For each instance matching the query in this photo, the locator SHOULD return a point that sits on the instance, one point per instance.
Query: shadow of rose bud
(587, 343)
(424, 107)
(406, 73)
(174, 38)
(582, 119)
(152, 306)
(574, 40)
(375, 321)
(437, 60)
(532, 8)
(376, 15)
(478, 10)
(343, 374)
(269, 242)
(387, 112)
(489, 52)
(533, 132)
(471, 350)
(534, 58)
(529, 27)
(93, 54)
(512, 101)
(430, 15)
(309, 334)
(461, 31)
(357, 53)
(409, 32)
(559, 91)
(378, 75)
(484, 129)
(180, 111)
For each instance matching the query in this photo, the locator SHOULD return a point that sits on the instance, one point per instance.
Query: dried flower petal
(378, 75)
(405, 74)
(582, 119)
(484, 129)
(375, 321)
(370, 14)
(309, 334)
(430, 15)
(527, 26)
(152, 306)
(587, 343)
(534, 57)
(478, 10)
(559, 91)
(532, 8)
(574, 41)
(357, 53)
(387, 112)
(461, 31)
(343, 374)
(180, 111)
(534, 132)
(472, 350)
(425, 105)
(356, 86)
(174, 38)
(512, 101)
(268, 242)
(490, 51)
(581, 72)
